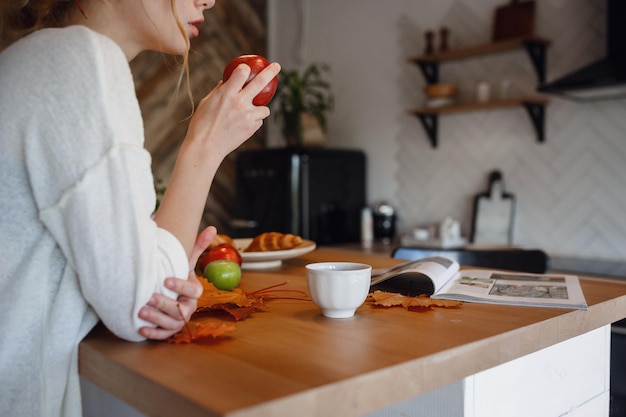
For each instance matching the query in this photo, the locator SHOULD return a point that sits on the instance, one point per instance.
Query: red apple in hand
(256, 63)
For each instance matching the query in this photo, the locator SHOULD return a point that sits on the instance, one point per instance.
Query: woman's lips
(194, 29)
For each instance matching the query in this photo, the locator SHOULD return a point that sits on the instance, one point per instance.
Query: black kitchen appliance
(316, 193)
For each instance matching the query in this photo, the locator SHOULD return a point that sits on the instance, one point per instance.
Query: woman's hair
(19, 18)
(185, 71)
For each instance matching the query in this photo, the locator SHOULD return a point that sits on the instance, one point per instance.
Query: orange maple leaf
(195, 331)
(211, 297)
(420, 302)
(240, 304)
(387, 299)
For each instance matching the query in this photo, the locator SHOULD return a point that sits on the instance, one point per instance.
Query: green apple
(225, 275)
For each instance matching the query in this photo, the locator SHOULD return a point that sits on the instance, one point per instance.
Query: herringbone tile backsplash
(570, 190)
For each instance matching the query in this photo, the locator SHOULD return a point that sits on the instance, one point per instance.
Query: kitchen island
(290, 360)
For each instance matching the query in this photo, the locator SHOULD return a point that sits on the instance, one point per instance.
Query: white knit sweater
(77, 242)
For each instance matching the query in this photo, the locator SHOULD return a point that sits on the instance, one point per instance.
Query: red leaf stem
(182, 316)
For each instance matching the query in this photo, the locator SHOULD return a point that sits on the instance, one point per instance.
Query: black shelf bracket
(537, 53)
(429, 122)
(430, 70)
(537, 113)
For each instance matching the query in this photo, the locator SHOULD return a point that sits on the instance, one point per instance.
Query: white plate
(270, 259)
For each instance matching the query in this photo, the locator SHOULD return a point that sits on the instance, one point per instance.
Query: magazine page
(423, 276)
(500, 287)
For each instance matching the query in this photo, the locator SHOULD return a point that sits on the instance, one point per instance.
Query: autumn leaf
(424, 301)
(237, 313)
(240, 304)
(420, 302)
(211, 296)
(195, 331)
(387, 299)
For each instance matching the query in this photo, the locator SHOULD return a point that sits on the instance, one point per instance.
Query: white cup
(338, 288)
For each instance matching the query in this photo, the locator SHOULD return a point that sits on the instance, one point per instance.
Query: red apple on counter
(221, 252)
(256, 63)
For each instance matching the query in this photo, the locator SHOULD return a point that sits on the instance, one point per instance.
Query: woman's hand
(226, 117)
(170, 315)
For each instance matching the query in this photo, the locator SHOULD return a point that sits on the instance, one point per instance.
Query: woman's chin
(175, 50)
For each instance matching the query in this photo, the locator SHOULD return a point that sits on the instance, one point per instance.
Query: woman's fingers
(238, 77)
(158, 333)
(263, 78)
(169, 316)
(241, 74)
(202, 242)
(185, 288)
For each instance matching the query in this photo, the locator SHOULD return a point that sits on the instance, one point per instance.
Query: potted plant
(304, 100)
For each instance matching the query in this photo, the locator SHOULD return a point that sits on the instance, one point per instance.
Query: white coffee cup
(338, 288)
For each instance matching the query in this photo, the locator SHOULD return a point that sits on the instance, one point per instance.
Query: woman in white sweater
(78, 243)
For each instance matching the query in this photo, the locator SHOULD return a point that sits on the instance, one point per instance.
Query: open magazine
(442, 278)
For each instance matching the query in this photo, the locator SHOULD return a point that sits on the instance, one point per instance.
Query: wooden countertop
(290, 358)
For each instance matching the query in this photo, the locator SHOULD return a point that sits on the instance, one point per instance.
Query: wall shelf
(535, 106)
(535, 46)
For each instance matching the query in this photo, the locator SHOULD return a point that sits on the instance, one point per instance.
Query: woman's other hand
(170, 315)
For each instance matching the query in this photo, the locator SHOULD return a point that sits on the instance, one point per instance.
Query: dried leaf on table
(211, 296)
(387, 299)
(237, 313)
(195, 331)
(240, 304)
(423, 301)
(420, 302)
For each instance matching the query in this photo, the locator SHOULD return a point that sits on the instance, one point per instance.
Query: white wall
(571, 190)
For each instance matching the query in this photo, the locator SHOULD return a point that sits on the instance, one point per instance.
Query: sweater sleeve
(92, 180)
(119, 254)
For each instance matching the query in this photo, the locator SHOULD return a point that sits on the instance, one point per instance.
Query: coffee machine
(317, 193)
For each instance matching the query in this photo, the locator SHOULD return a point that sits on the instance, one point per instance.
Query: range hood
(604, 79)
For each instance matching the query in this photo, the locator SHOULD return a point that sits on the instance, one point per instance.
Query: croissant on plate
(220, 238)
(271, 241)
